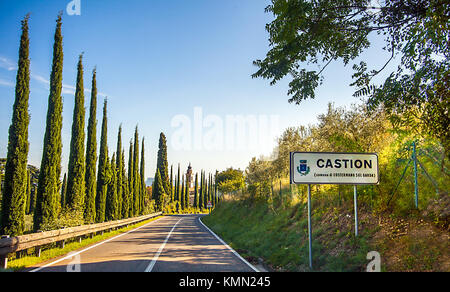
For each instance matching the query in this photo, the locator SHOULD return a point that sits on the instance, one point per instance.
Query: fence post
(416, 186)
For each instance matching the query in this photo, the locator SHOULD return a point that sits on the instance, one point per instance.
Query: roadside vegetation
(266, 219)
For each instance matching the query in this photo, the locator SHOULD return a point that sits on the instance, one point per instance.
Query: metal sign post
(309, 227)
(355, 201)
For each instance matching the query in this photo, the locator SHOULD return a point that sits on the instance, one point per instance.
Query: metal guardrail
(37, 240)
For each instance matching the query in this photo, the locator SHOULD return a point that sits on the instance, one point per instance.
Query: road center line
(155, 258)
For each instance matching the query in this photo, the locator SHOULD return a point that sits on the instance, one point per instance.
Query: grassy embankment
(277, 233)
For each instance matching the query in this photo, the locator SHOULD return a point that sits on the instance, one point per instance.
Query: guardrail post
(3, 261)
(20, 253)
(4, 257)
(37, 251)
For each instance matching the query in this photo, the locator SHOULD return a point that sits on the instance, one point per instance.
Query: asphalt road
(179, 243)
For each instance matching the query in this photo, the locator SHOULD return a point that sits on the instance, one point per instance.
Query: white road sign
(334, 168)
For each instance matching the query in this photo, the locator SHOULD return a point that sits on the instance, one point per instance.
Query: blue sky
(157, 59)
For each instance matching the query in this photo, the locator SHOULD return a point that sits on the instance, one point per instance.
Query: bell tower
(189, 176)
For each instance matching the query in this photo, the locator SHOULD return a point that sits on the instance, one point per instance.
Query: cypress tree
(182, 195)
(32, 199)
(186, 195)
(171, 184)
(102, 175)
(216, 199)
(111, 208)
(130, 180)
(50, 170)
(28, 201)
(142, 175)
(125, 196)
(210, 197)
(208, 182)
(119, 174)
(91, 155)
(200, 191)
(76, 171)
(205, 191)
(196, 191)
(136, 178)
(177, 194)
(162, 164)
(64, 191)
(15, 181)
(200, 195)
(160, 195)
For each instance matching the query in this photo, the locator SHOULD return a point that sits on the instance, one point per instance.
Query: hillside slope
(279, 237)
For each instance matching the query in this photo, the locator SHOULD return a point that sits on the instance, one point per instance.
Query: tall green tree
(91, 155)
(28, 196)
(112, 206)
(171, 184)
(125, 192)
(202, 188)
(15, 184)
(205, 193)
(50, 170)
(75, 193)
(142, 175)
(160, 195)
(162, 164)
(186, 195)
(208, 190)
(64, 191)
(196, 191)
(182, 198)
(216, 196)
(119, 173)
(306, 36)
(103, 174)
(178, 190)
(136, 177)
(130, 180)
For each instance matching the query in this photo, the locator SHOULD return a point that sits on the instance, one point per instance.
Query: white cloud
(6, 83)
(66, 89)
(7, 64)
(10, 66)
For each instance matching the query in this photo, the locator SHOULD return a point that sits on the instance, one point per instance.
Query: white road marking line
(229, 247)
(155, 258)
(86, 249)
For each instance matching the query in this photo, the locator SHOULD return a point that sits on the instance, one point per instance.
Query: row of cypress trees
(203, 192)
(87, 193)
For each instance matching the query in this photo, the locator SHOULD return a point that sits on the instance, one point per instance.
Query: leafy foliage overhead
(306, 36)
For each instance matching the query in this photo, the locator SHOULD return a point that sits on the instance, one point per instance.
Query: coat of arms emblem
(303, 168)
